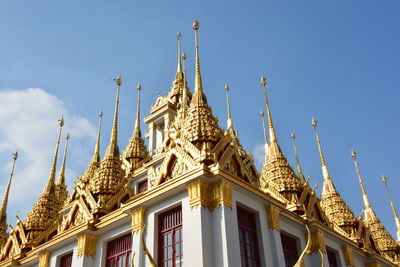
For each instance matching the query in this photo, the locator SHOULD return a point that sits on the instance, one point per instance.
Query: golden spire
(96, 154)
(230, 125)
(325, 171)
(50, 187)
(299, 170)
(184, 93)
(136, 149)
(3, 211)
(396, 217)
(112, 148)
(198, 83)
(61, 176)
(369, 213)
(179, 70)
(272, 134)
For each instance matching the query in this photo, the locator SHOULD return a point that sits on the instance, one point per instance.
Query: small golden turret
(229, 121)
(332, 203)
(299, 170)
(3, 211)
(61, 187)
(136, 150)
(396, 217)
(277, 173)
(109, 177)
(200, 126)
(368, 212)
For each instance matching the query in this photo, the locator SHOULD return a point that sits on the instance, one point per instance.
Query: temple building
(193, 197)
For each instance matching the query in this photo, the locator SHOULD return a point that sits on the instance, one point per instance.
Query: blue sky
(335, 60)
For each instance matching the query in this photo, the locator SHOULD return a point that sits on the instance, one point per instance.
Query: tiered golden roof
(277, 173)
(201, 128)
(109, 177)
(3, 210)
(334, 206)
(136, 150)
(47, 206)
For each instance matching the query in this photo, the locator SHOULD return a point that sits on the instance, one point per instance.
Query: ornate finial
(230, 127)
(321, 155)
(272, 134)
(3, 211)
(396, 217)
(266, 143)
(369, 213)
(137, 131)
(184, 93)
(61, 177)
(178, 35)
(96, 154)
(299, 170)
(50, 187)
(198, 82)
(112, 148)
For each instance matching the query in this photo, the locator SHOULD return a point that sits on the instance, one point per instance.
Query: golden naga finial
(272, 134)
(300, 261)
(230, 126)
(299, 170)
(369, 213)
(3, 211)
(396, 217)
(112, 148)
(50, 187)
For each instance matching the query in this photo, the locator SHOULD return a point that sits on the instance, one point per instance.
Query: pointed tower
(61, 187)
(200, 127)
(396, 217)
(110, 176)
(332, 203)
(136, 150)
(95, 163)
(230, 129)
(384, 242)
(47, 206)
(277, 173)
(299, 170)
(3, 211)
(266, 143)
(178, 85)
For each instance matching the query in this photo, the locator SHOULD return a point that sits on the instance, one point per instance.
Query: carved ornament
(44, 259)
(348, 255)
(87, 245)
(317, 242)
(138, 220)
(210, 196)
(273, 217)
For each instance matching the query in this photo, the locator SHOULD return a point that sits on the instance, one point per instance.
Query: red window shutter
(248, 237)
(142, 186)
(290, 252)
(66, 260)
(119, 251)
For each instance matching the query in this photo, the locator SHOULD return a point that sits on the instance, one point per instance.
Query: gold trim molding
(273, 217)
(348, 255)
(373, 264)
(44, 259)
(138, 219)
(210, 196)
(317, 242)
(87, 245)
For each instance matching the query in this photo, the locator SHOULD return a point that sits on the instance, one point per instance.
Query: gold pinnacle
(183, 56)
(178, 35)
(292, 136)
(263, 81)
(226, 87)
(118, 80)
(262, 113)
(195, 25)
(101, 113)
(139, 87)
(313, 122)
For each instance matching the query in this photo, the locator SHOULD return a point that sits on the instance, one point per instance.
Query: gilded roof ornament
(230, 125)
(61, 187)
(3, 211)
(136, 150)
(272, 134)
(299, 170)
(396, 217)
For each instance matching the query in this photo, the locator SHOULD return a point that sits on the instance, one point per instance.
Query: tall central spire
(369, 213)
(112, 148)
(96, 154)
(61, 177)
(230, 125)
(3, 214)
(325, 171)
(272, 134)
(137, 132)
(299, 170)
(50, 187)
(179, 70)
(396, 217)
(198, 83)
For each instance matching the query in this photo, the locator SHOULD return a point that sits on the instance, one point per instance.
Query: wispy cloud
(259, 155)
(28, 122)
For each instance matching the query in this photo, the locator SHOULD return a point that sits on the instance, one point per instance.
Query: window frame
(297, 243)
(173, 229)
(64, 256)
(128, 252)
(252, 231)
(335, 255)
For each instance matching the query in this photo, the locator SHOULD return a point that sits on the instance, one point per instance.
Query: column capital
(348, 255)
(87, 245)
(138, 220)
(44, 259)
(273, 217)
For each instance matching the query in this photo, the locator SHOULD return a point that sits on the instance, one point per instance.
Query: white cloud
(259, 156)
(28, 121)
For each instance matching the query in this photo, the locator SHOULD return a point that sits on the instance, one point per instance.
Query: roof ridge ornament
(272, 134)
(229, 122)
(112, 148)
